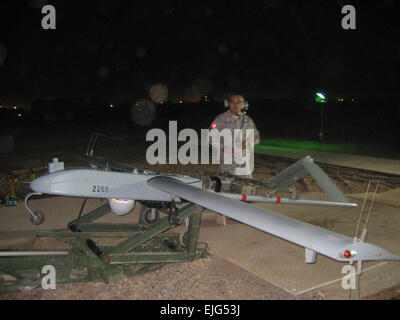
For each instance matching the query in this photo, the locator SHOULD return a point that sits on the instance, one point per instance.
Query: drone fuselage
(88, 183)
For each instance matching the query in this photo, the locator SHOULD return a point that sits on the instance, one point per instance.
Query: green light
(304, 145)
(320, 97)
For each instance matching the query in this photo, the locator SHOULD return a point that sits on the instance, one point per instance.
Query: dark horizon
(273, 49)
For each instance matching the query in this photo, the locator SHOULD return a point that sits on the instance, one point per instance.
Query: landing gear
(36, 217)
(150, 215)
(173, 217)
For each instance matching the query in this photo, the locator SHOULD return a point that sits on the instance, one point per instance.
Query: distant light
(180, 101)
(15, 108)
(213, 125)
(19, 115)
(111, 105)
(320, 97)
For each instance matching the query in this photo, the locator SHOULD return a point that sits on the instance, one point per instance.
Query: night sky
(272, 48)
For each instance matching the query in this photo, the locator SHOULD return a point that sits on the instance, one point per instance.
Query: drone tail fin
(305, 167)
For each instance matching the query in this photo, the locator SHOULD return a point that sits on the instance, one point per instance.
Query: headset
(245, 104)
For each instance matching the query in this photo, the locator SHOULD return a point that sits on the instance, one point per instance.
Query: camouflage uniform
(228, 121)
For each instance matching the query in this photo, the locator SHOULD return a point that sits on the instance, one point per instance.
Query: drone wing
(314, 239)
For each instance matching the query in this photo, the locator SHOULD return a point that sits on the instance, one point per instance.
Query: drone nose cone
(41, 184)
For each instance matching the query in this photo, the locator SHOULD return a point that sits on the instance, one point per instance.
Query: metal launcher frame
(141, 249)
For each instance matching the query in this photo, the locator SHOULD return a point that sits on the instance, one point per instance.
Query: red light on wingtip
(213, 125)
(347, 254)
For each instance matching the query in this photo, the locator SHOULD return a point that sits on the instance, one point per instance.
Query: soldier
(232, 119)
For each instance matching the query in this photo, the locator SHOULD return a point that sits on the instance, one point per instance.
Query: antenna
(93, 140)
